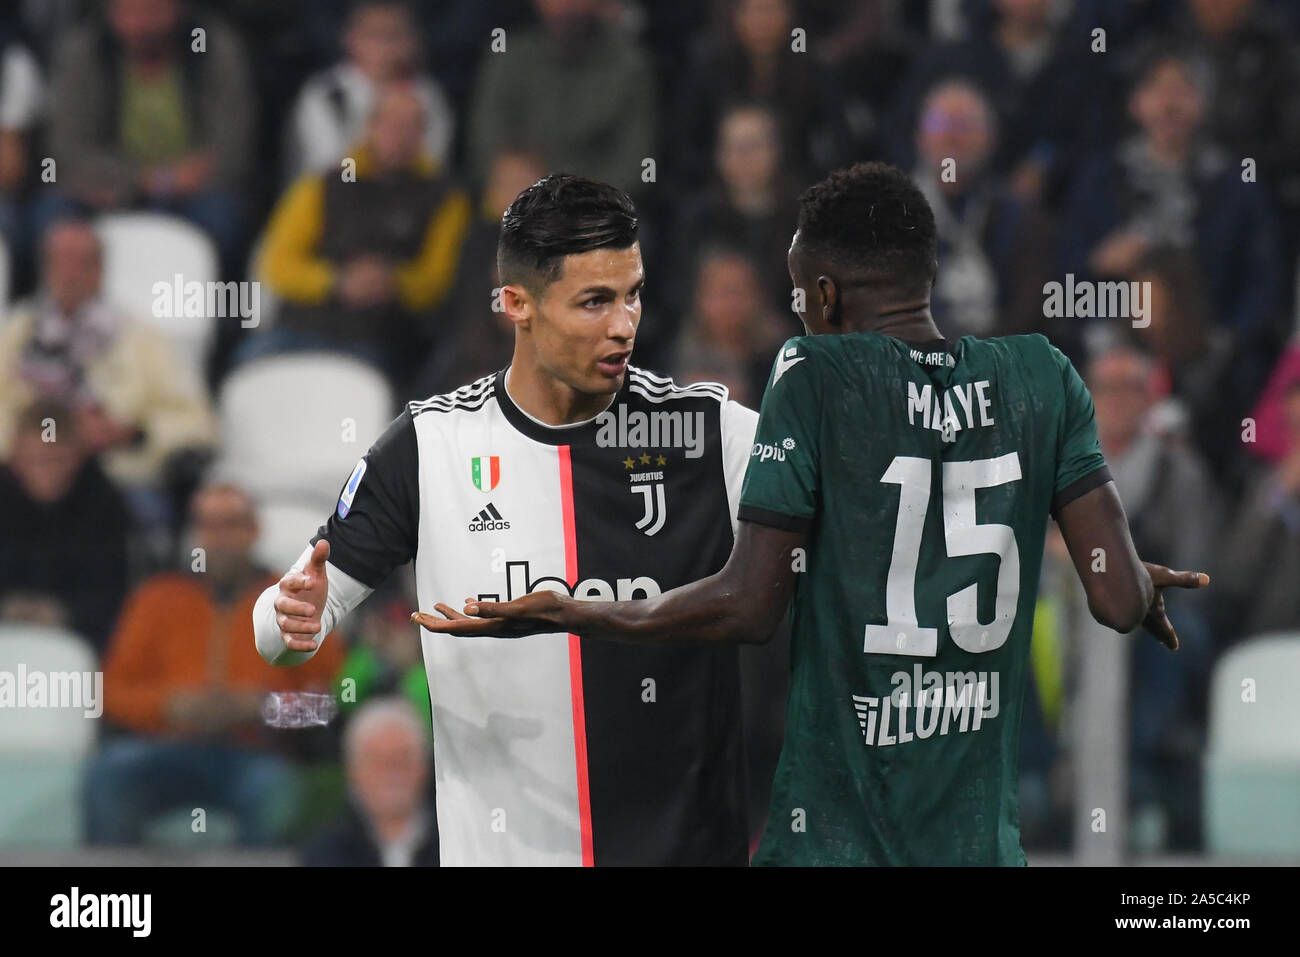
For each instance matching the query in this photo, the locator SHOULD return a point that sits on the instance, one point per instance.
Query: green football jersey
(924, 477)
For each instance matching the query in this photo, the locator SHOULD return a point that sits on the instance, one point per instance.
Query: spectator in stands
(731, 329)
(750, 206)
(1260, 563)
(754, 60)
(1173, 515)
(1268, 440)
(390, 820)
(454, 32)
(576, 90)
(136, 406)
(1038, 82)
(185, 682)
(63, 547)
(1166, 489)
(381, 47)
(21, 102)
(145, 117)
(1193, 357)
(994, 247)
(1167, 186)
(1250, 49)
(475, 338)
(359, 262)
(864, 43)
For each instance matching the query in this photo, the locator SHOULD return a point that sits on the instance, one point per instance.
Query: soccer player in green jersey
(899, 488)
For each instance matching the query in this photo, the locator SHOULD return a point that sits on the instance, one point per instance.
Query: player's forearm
(741, 603)
(710, 610)
(1096, 532)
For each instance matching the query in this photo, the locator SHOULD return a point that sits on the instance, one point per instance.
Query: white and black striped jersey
(555, 749)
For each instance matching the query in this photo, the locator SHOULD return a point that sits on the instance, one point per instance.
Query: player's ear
(829, 294)
(517, 304)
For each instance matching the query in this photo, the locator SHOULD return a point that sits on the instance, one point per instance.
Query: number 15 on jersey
(902, 634)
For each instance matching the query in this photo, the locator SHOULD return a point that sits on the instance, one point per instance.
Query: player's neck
(548, 401)
(911, 325)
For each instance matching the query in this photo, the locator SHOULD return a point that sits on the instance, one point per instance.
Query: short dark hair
(1149, 57)
(357, 7)
(870, 217)
(560, 215)
(31, 418)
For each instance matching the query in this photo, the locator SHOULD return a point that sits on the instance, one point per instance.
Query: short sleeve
(781, 483)
(738, 425)
(374, 526)
(1080, 466)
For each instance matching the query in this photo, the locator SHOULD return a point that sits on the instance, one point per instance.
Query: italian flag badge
(486, 472)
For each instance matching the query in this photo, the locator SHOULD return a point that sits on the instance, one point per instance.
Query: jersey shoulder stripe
(661, 382)
(463, 392)
(468, 398)
(657, 388)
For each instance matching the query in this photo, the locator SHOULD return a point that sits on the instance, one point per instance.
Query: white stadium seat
(142, 249)
(285, 529)
(1252, 763)
(6, 268)
(43, 750)
(293, 426)
(268, 303)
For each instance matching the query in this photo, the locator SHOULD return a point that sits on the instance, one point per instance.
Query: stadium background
(353, 160)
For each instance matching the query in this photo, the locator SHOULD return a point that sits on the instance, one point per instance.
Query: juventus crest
(655, 509)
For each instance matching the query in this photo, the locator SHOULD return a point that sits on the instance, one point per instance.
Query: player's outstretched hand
(301, 600)
(541, 613)
(1156, 621)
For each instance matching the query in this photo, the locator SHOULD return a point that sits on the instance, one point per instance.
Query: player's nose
(624, 322)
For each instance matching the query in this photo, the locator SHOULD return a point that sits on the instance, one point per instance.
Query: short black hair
(356, 7)
(560, 215)
(31, 418)
(873, 218)
(1147, 58)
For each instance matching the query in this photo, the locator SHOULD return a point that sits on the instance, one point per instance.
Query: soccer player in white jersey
(575, 471)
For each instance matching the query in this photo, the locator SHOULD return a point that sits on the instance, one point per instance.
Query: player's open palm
(539, 613)
(301, 600)
(1156, 621)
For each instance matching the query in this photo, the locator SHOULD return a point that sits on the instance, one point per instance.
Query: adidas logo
(488, 520)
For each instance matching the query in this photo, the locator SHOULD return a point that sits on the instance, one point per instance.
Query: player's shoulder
(828, 348)
(830, 356)
(1029, 344)
(646, 386)
(803, 353)
(468, 398)
(1031, 349)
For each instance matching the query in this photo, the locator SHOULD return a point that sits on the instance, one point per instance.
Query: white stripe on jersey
(669, 397)
(465, 395)
(504, 759)
(649, 384)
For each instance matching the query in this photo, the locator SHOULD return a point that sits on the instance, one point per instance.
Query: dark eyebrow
(605, 290)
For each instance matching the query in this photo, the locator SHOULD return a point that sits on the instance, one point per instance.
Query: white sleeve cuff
(344, 594)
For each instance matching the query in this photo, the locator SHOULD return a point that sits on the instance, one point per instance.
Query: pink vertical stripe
(575, 662)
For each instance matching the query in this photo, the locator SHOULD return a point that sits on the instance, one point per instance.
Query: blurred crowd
(355, 157)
